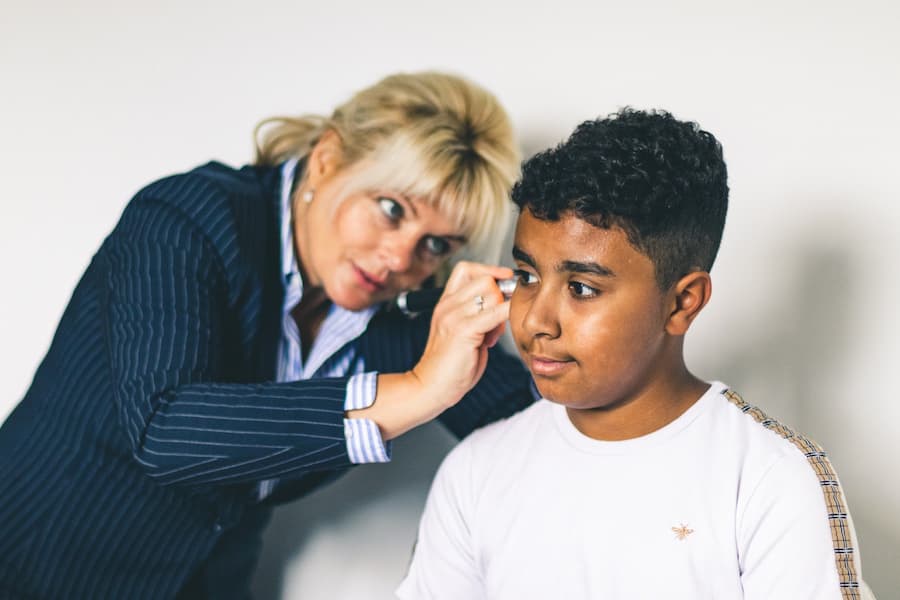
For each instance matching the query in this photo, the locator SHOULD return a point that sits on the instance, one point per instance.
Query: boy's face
(587, 315)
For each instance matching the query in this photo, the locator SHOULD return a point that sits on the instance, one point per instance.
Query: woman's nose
(400, 252)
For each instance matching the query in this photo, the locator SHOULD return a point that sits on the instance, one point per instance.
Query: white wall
(99, 98)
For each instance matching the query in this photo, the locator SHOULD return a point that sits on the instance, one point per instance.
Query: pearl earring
(308, 195)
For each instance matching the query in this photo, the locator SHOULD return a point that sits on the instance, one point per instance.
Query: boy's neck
(649, 408)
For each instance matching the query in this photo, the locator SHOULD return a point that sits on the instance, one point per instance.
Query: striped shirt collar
(340, 325)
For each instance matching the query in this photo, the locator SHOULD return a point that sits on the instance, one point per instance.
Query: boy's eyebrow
(520, 254)
(570, 266)
(574, 266)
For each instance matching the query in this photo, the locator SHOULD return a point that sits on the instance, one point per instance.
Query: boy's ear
(324, 159)
(689, 295)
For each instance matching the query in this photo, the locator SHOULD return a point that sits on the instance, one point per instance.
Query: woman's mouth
(368, 281)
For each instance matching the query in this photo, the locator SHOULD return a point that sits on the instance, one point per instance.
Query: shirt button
(217, 529)
(348, 431)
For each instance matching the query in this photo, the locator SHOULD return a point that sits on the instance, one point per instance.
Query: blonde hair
(427, 135)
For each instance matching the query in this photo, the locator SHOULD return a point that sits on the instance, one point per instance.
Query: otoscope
(412, 302)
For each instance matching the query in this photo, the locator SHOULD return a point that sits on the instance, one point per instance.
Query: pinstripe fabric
(841, 532)
(155, 412)
(331, 355)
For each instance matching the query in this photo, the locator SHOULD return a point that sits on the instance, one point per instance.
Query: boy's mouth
(548, 366)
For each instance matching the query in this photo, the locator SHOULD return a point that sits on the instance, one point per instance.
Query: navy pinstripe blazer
(153, 415)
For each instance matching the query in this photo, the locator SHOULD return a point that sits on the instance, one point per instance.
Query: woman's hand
(469, 318)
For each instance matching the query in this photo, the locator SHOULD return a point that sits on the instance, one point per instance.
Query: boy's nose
(541, 316)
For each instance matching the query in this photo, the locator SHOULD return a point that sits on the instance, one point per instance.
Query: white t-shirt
(722, 503)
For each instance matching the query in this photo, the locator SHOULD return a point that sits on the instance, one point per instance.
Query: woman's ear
(324, 159)
(689, 295)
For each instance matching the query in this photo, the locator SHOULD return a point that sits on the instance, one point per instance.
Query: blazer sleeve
(166, 312)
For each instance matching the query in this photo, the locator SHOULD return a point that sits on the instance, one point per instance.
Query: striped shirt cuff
(364, 441)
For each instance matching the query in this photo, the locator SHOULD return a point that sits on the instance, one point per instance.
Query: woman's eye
(392, 209)
(524, 277)
(437, 246)
(580, 290)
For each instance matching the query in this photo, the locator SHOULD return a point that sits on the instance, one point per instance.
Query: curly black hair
(661, 180)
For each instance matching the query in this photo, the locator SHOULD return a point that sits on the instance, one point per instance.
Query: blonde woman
(230, 346)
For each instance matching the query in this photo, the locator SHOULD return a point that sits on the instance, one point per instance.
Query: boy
(632, 478)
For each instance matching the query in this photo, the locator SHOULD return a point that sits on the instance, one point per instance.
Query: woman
(228, 348)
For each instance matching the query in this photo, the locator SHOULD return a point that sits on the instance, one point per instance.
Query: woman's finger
(466, 322)
(466, 271)
(493, 336)
(490, 318)
(471, 296)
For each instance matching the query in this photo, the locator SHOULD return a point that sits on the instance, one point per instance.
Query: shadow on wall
(353, 539)
(794, 348)
(796, 357)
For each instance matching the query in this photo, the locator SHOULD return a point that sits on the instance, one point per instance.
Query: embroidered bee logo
(682, 532)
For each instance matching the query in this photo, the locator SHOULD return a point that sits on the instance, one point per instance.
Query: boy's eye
(580, 290)
(524, 277)
(392, 209)
(436, 246)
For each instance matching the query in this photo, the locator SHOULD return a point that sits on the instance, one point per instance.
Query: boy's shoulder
(768, 450)
(499, 442)
(524, 423)
(754, 430)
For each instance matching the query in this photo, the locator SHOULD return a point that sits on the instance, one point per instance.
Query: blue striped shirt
(332, 353)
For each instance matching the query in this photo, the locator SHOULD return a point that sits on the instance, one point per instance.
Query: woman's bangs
(433, 177)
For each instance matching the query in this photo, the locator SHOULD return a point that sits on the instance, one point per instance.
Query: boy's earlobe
(691, 293)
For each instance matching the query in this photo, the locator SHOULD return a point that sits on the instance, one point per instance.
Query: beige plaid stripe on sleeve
(838, 518)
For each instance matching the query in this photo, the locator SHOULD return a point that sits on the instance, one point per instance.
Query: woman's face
(366, 247)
